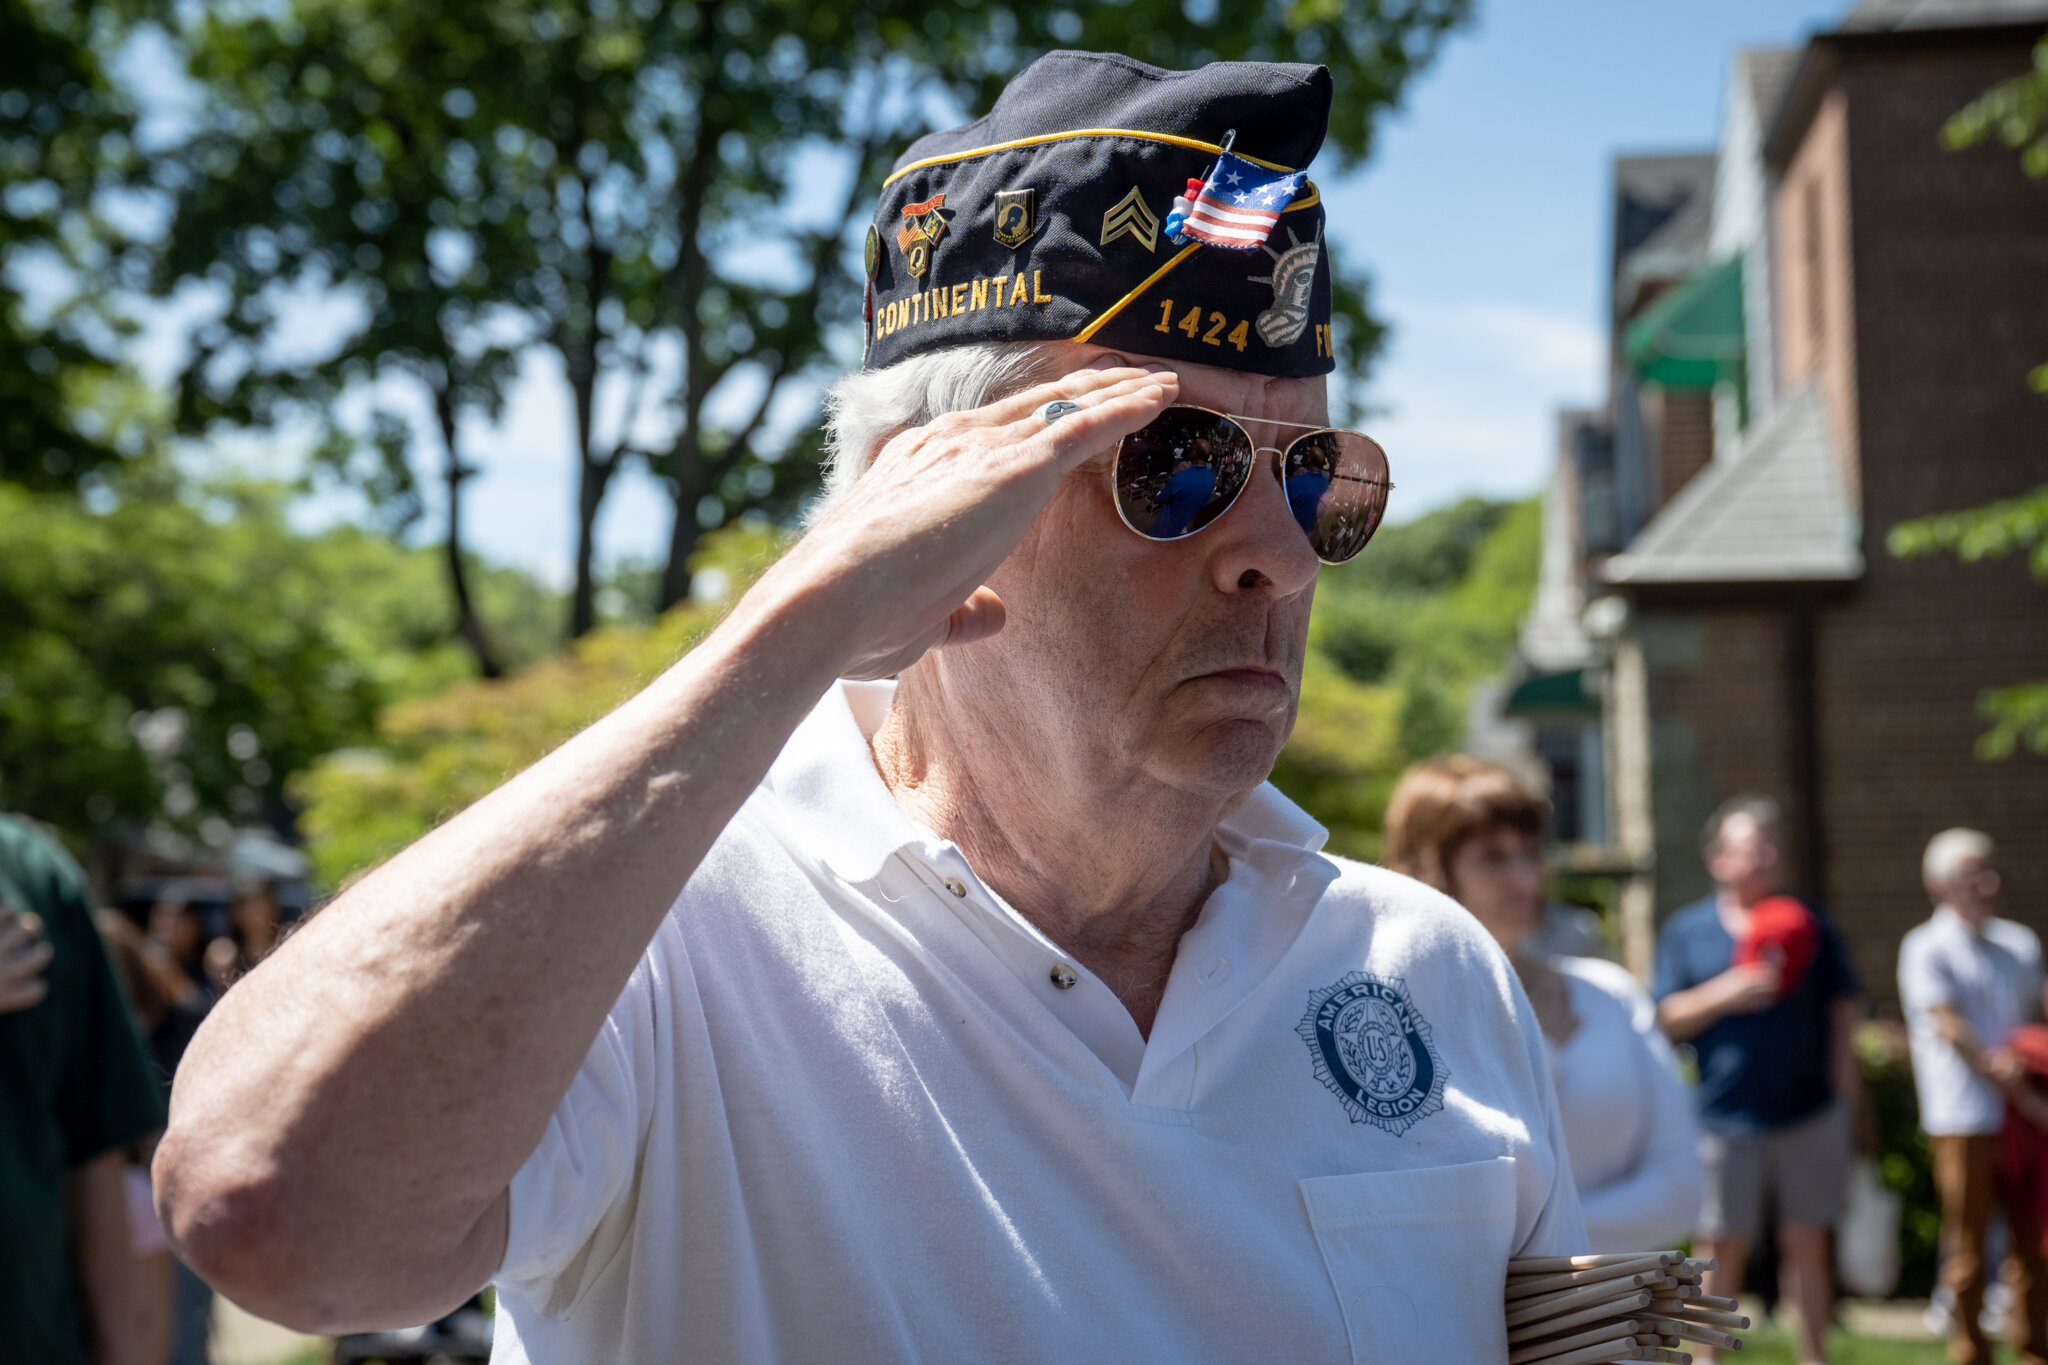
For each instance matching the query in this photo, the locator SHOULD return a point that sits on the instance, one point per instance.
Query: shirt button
(1063, 976)
(957, 887)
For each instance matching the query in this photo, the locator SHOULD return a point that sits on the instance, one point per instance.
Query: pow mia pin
(923, 225)
(1372, 1048)
(1016, 217)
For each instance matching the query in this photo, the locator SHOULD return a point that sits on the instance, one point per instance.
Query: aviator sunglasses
(1186, 467)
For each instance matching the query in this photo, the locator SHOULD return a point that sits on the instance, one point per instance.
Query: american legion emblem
(1373, 1049)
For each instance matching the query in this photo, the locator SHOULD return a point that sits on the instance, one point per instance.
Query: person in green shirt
(75, 1093)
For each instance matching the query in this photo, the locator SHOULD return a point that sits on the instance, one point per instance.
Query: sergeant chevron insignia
(1131, 217)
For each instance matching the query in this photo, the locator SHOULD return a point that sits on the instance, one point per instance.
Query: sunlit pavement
(241, 1338)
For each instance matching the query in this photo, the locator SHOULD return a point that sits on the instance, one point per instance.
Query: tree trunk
(468, 624)
(693, 475)
(590, 490)
(686, 466)
(689, 274)
(579, 359)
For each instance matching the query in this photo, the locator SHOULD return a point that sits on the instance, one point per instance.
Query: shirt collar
(836, 803)
(828, 789)
(1947, 914)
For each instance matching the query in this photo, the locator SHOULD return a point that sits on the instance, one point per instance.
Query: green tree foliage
(434, 754)
(64, 141)
(172, 657)
(1346, 750)
(2015, 112)
(1429, 609)
(1903, 1161)
(488, 178)
(2016, 526)
(662, 195)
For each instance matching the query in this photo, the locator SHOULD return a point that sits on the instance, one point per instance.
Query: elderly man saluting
(999, 1013)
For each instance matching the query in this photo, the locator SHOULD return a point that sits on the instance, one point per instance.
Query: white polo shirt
(845, 1111)
(1992, 979)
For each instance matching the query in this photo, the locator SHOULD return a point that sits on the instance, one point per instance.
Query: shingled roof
(1883, 16)
(1774, 512)
(1663, 210)
(1767, 73)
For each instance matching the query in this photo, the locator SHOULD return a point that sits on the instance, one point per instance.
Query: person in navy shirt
(1778, 1078)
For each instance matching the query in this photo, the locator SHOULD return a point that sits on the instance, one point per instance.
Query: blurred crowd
(1755, 989)
(1721, 1106)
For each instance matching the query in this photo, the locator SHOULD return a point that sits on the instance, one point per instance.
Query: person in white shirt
(999, 1014)
(1473, 831)
(1967, 979)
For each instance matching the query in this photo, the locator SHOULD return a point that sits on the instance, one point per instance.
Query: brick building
(1820, 329)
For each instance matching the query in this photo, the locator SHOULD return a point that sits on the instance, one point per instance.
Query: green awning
(1552, 695)
(1692, 337)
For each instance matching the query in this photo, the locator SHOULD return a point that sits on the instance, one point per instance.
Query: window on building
(1571, 751)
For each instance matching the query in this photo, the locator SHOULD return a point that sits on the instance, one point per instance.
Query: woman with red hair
(1474, 832)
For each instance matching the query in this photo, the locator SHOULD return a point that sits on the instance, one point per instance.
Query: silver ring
(1056, 409)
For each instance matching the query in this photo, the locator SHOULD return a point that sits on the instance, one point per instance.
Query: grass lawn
(1771, 1344)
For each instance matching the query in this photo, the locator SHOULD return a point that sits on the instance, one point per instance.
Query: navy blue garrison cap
(1097, 202)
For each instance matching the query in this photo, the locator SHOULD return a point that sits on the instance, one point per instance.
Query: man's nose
(1260, 545)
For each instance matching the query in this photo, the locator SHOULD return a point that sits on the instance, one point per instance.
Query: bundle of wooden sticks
(1590, 1310)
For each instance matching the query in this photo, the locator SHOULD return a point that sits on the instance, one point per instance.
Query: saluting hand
(908, 547)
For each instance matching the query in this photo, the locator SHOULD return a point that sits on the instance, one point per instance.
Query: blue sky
(1482, 218)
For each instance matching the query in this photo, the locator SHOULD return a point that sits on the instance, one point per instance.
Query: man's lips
(1250, 676)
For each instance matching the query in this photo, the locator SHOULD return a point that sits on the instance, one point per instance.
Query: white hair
(867, 407)
(1946, 852)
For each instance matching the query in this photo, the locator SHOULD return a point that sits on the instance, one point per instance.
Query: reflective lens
(1186, 467)
(1180, 472)
(1336, 484)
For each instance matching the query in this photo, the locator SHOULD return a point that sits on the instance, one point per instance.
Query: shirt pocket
(1419, 1259)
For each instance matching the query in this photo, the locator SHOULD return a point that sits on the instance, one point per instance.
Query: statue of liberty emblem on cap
(1294, 281)
(1372, 1048)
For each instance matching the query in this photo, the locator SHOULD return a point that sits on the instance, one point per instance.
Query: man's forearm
(127, 1298)
(346, 1124)
(1685, 1014)
(1957, 1033)
(347, 1121)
